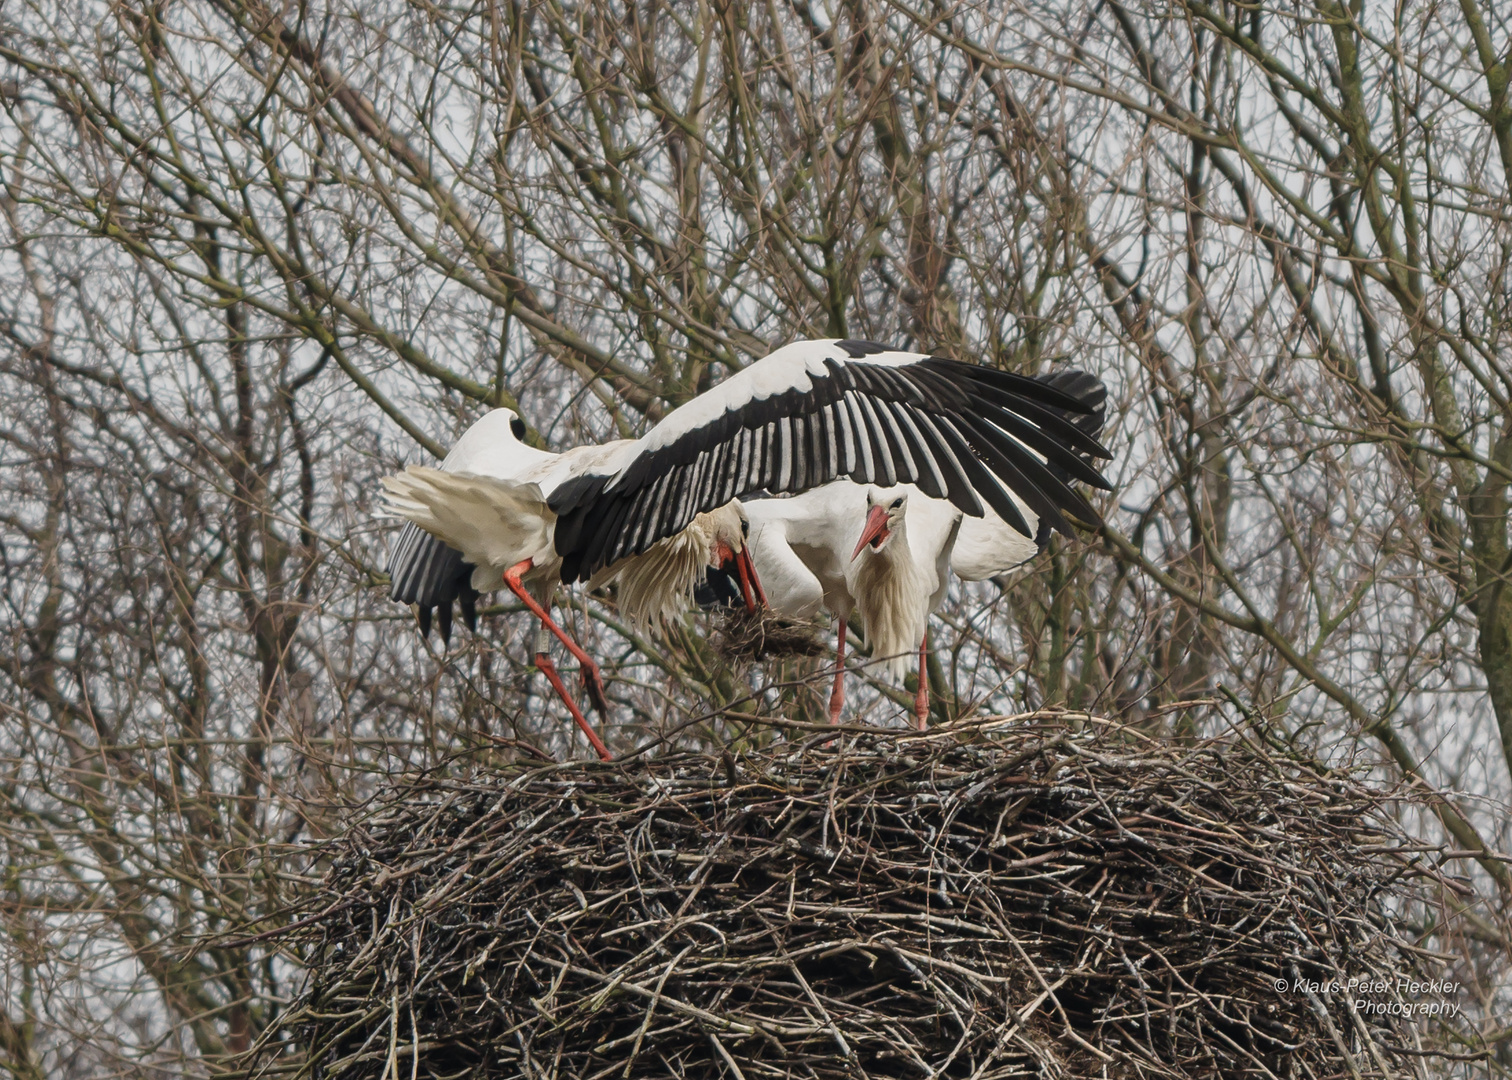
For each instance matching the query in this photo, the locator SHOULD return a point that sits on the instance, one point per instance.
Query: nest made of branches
(1034, 900)
(762, 634)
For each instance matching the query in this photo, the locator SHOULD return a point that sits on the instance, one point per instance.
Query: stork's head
(731, 551)
(884, 518)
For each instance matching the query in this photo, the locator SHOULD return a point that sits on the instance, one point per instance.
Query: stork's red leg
(548, 669)
(837, 695)
(591, 677)
(921, 699)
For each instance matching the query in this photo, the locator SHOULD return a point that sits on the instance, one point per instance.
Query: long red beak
(745, 570)
(750, 584)
(876, 529)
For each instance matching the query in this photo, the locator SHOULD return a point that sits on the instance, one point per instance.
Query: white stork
(885, 553)
(808, 414)
(849, 547)
(484, 520)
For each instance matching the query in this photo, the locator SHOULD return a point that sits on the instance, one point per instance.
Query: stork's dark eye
(745, 527)
(518, 427)
(897, 502)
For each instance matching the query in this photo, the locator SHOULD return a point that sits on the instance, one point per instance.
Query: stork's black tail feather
(425, 572)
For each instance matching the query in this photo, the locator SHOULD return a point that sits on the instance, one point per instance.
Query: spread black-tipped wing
(816, 411)
(1090, 391)
(427, 573)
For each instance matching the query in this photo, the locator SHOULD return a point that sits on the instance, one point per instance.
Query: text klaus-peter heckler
(1408, 997)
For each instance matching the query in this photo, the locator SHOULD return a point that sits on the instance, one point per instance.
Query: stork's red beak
(750, 584)
(745, 570)
(876, 529)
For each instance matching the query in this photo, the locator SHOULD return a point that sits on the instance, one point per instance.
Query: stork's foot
(547, 668)
(593, 686)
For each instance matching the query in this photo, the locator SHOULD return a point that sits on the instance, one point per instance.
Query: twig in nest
(763, 634)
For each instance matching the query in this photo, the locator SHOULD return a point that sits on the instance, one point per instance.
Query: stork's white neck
(892, 592)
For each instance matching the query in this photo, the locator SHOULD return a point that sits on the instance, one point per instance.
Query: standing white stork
(849, 547)
(885, 553)
(808, 414)
(899, 573)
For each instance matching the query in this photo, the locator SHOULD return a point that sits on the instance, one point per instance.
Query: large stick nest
(1033, 901)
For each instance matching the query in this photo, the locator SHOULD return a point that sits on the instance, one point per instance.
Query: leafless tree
(255, 256)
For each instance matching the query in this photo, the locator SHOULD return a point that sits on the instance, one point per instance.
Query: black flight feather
(981, 480)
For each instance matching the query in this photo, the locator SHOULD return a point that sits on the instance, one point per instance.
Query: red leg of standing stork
(921, 699)
(548, 669)
(591, 677)
(837, 695)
